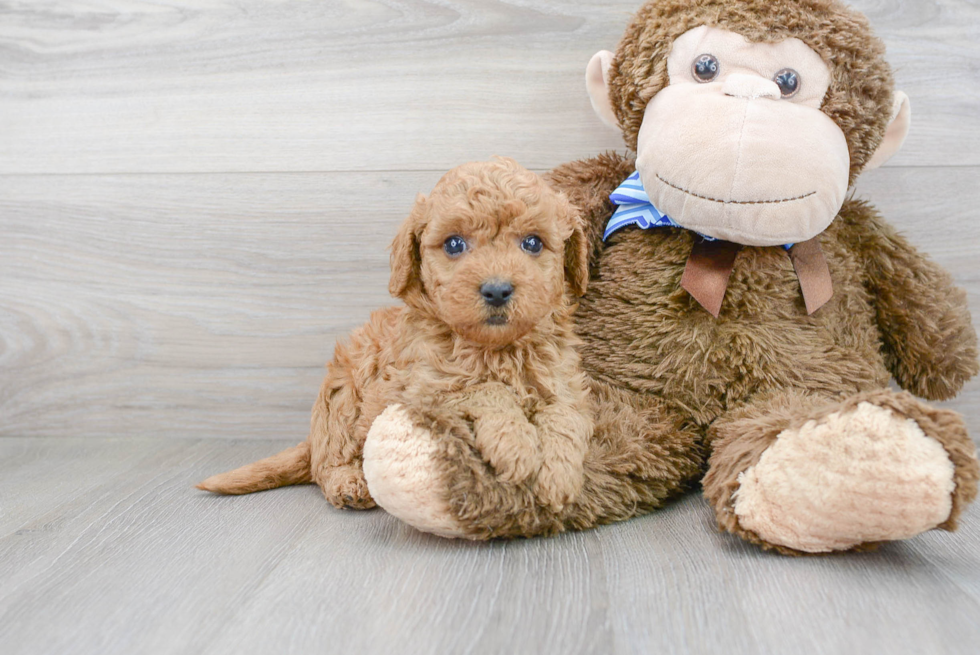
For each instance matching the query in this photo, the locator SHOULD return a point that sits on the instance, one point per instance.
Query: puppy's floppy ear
(406, 258)
(576, 252)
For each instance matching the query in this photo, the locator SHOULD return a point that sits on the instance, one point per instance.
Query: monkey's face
(736, 147)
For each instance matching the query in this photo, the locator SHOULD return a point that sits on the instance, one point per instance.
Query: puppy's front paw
(510, 445)
(558, 484)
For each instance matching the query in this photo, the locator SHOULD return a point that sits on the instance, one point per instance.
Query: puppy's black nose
(496, 293)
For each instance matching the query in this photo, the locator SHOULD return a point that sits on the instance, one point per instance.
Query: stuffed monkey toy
(744, 315)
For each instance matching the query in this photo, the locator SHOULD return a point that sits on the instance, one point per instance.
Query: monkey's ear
(597, 83)
(406, 258)
(898, 129)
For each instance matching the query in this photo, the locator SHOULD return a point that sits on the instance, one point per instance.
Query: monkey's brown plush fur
(677, 390)
(893, 312)
(507, 375)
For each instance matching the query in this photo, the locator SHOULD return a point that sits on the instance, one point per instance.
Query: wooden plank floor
(105, 548)
(195, 200)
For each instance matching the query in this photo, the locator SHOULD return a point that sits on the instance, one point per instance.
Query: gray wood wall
(196, 196)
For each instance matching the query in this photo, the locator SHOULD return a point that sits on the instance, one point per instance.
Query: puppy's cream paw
(402, 474)
(510, 445)
(558, 484)
(347, 489)
(862, 476)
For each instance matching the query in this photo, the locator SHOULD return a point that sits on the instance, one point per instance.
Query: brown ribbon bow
(710, 265)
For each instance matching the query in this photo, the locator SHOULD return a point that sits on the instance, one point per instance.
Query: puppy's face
(492, 278)
(493, 247)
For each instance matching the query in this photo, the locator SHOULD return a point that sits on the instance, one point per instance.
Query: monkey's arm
(587, 183)
(930, 343)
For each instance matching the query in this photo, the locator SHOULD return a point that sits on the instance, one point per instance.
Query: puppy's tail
(291, 466)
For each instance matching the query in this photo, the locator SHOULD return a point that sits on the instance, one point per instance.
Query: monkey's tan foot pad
(402, 474)
(865, 475)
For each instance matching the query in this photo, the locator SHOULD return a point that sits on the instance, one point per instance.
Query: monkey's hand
(930, 343)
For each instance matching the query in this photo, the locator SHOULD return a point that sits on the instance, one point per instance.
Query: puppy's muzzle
(496, 293)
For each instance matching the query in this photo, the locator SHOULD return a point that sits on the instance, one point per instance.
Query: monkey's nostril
(496, 293)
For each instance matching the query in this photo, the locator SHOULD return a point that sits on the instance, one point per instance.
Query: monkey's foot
(855, 476)
(401, 466)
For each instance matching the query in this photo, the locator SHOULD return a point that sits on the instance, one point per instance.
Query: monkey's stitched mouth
(733, 202)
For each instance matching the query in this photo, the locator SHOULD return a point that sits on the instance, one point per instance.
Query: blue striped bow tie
(634, 208)
(711, 260)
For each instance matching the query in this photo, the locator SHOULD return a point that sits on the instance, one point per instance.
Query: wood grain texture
(185, 305)
(195, 200)
(138, 561)
(250, 85)
(206, 305)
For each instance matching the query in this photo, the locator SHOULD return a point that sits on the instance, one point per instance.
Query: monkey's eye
(454, 245)
(532, 244)
(705, 68)
(788, 81)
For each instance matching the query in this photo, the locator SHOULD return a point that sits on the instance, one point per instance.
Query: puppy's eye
(454, 246)
(532, 244)
(788, 81)
(705, 68)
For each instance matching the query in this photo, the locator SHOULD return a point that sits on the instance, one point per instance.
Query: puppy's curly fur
(510, 372)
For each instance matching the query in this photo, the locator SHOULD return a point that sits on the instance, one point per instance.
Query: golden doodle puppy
(483, 346)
